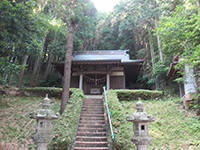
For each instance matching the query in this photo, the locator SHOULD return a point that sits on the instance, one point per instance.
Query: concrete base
(42, 146)
(94, 96)
(141, 147)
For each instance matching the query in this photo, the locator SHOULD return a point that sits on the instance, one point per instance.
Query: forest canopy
(34, 33)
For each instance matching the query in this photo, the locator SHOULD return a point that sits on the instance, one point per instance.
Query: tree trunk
(49, 66)
(36, 69)
(152, 57)
(21, 76)
(67, 67)
(158, 40)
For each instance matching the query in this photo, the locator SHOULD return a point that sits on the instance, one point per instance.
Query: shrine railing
(108, 113)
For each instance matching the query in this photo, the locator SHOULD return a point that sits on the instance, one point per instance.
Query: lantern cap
(140, 106)
(140, 116)
(45, 112)
(46, 102)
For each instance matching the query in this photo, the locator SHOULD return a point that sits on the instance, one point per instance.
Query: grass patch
(172, 128)
(16, 127)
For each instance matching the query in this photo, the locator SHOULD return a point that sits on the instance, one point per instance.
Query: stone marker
(44, 116)
(140, 128)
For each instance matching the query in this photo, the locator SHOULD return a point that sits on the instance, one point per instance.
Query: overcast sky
(105, 5)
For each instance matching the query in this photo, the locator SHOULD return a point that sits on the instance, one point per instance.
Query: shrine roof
(103, 56)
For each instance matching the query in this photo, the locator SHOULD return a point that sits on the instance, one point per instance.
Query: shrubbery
(118, 121)
(65, 127)
(136, 94)
(42, 91)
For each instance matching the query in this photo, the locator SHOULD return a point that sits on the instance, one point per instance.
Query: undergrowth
(16, 127)
(173, 128)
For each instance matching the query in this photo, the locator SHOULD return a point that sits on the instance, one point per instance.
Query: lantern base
(42, 146)
(141, 147)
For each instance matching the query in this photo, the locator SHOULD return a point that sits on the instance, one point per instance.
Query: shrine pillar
(108, 82)
(81, 81)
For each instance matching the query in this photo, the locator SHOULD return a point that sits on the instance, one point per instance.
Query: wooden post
(81, 81)
(108, 82)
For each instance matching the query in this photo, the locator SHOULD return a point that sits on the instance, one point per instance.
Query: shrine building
(91, 70)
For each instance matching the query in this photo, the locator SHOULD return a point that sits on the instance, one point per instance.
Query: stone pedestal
(42, 146)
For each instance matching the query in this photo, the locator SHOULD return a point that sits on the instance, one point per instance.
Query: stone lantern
(44, 116)
(140, 128)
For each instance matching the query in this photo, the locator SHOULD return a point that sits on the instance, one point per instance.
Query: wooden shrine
(91, 70)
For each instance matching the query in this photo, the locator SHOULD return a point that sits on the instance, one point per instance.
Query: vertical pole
(108, 82)
(81, 81)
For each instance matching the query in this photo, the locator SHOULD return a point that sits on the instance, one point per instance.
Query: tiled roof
(103, 55)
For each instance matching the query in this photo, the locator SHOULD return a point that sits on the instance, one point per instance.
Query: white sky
(105, 5)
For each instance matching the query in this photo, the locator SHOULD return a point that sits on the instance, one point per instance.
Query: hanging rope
(92, 81)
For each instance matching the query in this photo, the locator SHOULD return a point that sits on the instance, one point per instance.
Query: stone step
(90, 148)
(88, 106)
(92, 121)
(92, 115)
(85, 129)
(90, 144)
(92, 139)
(92, 108)
(92, 112)
(92, 125)
(91, 118)
(92, 134)
(88, 101)
(92, 104)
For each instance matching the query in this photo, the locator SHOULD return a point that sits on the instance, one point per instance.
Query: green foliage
(53, 80)
(180, 34)
(196, 103)
(136, 94)
(118, 122)
(173, 128)
(15, 122)
(21, 33)
(17, 127)
(65, 127)
(7, 68)
(20, 29)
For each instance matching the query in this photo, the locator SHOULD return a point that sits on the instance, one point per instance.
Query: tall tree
(76, 13)
(20, 32)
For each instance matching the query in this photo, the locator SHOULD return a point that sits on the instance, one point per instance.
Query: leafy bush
(136, 94)
(119, 122)
(53, 80)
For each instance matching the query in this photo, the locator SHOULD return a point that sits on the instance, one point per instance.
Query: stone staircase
(91, 134)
